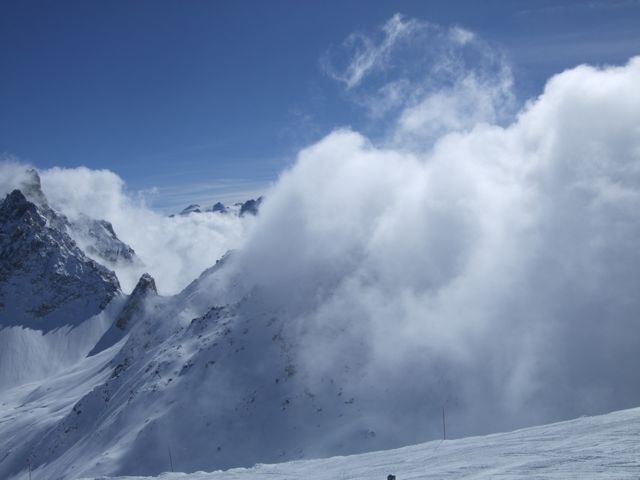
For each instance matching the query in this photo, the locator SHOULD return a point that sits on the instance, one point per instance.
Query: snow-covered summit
(251, 206)
(31, 187)
(132, 310)
(145, 288)
(219, 207)
(46, 280)
(240, 209)
(95, 237)
(98, 239)
(193, 208)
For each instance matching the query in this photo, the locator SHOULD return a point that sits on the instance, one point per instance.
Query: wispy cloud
(366, 54)
(588, 5)
(175, 197)
(423, 78)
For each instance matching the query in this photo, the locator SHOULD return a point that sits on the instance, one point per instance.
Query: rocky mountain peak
(15, 206)
(240, 209)
(145, 288)
(46, 281)
(99, 240)
(193, 208)
(251, 206)
(219, 207)
(96, 238)
(31, 186)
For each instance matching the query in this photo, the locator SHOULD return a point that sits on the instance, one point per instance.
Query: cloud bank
(495, 268)
(471, 254)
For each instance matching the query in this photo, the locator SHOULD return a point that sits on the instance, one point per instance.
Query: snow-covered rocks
(250, 207)
(100, 242)
(145, 288)
(194, 208)
(46, 280)
(133, 309)
(240, 209)
(219, 207)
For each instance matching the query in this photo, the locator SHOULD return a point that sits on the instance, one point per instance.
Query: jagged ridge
(45, 280)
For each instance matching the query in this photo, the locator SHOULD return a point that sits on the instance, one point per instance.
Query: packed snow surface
(605, 446)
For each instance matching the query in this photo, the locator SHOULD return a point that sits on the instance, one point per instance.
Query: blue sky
(211, 99)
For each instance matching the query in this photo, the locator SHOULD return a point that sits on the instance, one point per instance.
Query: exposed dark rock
(45, 279)
(251, 207)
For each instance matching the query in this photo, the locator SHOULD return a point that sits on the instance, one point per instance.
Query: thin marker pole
(444, 425)
(170, 458)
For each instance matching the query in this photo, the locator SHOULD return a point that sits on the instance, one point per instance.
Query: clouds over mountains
(499, 261)
(472, 251)
(174, 250)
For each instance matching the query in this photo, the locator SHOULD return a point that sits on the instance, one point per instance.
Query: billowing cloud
(12, 173)
(472, 254)
(174, 250)
(496, 267)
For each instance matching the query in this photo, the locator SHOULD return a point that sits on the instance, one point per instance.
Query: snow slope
(605, 446)
(55, 305)
(55, 301)
(212, 364)
(27, 355)
(28, 410)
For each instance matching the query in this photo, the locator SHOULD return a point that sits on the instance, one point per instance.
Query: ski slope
(605, 446)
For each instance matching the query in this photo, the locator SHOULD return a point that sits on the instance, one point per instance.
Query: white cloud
(12, 173)
(424, 80)
(365, 55)
(467, 257)
(174, 250)
(461, 35)
(497, 266)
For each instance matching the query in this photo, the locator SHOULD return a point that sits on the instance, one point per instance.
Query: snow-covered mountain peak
(95, 237)
(16, 207)
(193, 208)
(131, 312)
(145, 285)
(240, 209)
(145, 288)
(31, 187)
(45, 280)
(251, 206)
(219, 207)
(99, 240)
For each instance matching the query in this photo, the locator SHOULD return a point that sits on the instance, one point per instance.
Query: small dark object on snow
(391, 477)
